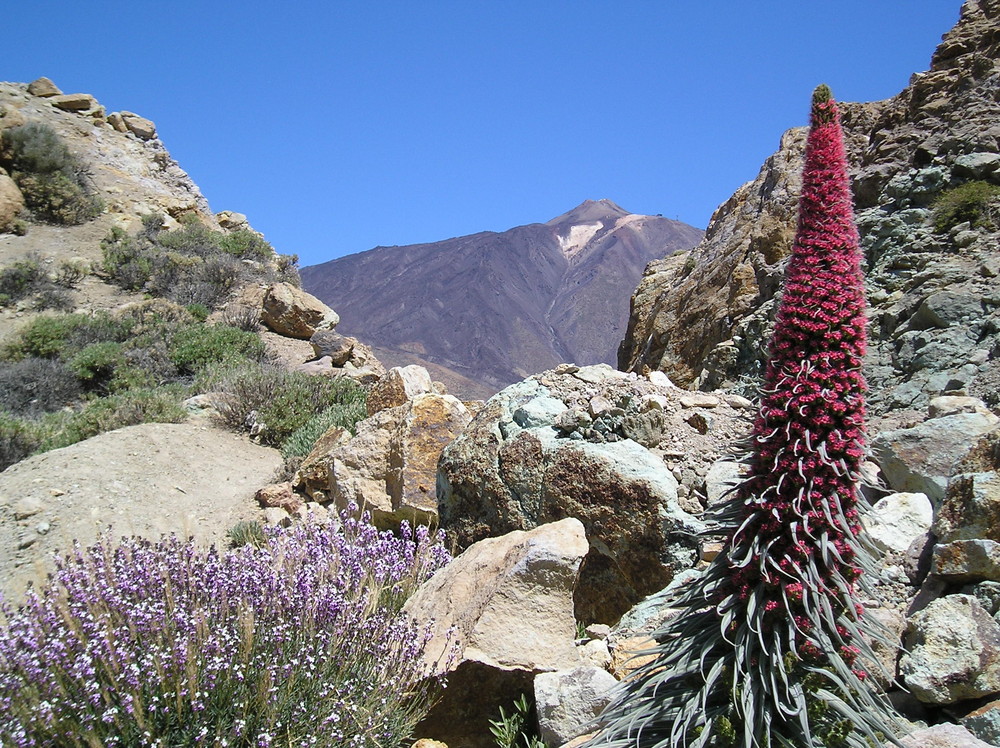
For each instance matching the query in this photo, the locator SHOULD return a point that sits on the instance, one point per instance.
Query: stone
(945, 735)
(279, 495)
(74, 102)
(984, 722)
(952, 651)
(945, 308)
(276, 516)
(922, 458)
(231, 220)
(389, 467)
(330, 343)
(10, 116)
(949, 405)
(598, 630)
(895, 521)
(971, 508)
(721, 478)
(11, 202)
(595, 653)
(27, 507)
(428, 743)
(117, 122)
(499, 614)
(292, 312)
(141, 127)
(43, 87)
(568, 701)
(964, 561)
(631, 654)
(976, 165)
(700, 400)
(399, 385)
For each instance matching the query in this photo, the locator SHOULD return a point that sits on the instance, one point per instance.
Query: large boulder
(923, 458)
(43, 87)
(141, 127)
(499, 614)
(400, 383)
(895, 521)
(292, 312)
(11, 202)
(952, 651)
(604, 447)
(389, 467)
(78, 102)
(971, 508)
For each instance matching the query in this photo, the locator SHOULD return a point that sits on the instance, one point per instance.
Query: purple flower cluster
(298, 642)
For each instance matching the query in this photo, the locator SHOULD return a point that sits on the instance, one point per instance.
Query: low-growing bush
(975, 202)
(32, 386)
(196, 346)
(242, 317)
(345, 415)
(21, 279)
(52, 180)
(19, 438)
(44, 337)
(297, 642)
(273, 403)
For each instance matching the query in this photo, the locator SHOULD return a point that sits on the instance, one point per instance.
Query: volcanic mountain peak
(590, 211)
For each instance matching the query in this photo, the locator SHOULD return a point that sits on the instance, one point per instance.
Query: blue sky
(337, 126)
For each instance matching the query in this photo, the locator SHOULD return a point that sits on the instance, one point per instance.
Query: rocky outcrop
(623, 455)
(705, 318)
(11, 202)
(389, 466)
(500, 613)
(292, 312)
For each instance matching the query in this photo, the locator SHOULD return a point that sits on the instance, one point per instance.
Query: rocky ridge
(704, 317)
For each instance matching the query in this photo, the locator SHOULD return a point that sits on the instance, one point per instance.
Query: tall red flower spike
(769, 646)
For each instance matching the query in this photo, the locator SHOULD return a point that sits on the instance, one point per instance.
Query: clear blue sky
(340, 125)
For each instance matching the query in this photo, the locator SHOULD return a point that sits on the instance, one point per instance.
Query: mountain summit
(488, 309)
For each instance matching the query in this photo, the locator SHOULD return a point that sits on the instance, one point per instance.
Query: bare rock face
(509, 603)
(589, 443)
(292, 312)
(705, 318)
(389, 467)
(952, 652)
(11, 201)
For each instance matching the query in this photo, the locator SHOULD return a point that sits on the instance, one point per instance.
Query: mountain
(703, 318)
(488, 309)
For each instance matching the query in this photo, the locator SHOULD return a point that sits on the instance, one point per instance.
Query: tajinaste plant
(299, 642)
(768, 647)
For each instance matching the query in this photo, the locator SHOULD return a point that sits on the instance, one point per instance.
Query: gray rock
(895, 521)
(971, 509)
(952, 651)
(722, 476)
(330, 343)
(945, 735)
(984, 722)
(964, 561)
(976, 165)
(568, 701)
(506, 604)
(922, 459)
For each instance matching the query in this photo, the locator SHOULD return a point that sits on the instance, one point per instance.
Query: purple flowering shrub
(299, 642)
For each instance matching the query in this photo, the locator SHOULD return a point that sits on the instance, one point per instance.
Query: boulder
(499, 614)
(74, 102)
(230, 220)
(11, 202)
(43, 87)
(964, 561)
(534, 454)
(292, 312)
(952, 651)
(568, 701)
(923, 458)
(116, 121)
(984, 722)
(141, 127)
(971, 508)
(942, 736)
(330, 343)
(895, 521)
(389, 468)
(400, 384)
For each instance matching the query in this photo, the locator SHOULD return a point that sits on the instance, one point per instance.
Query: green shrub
(126, 259)
(21, 279)
(51, 179)
(70, 273)
(246, 532)
(160, 405)
(44, 337)
(199, 311)
(247, 245)
(19, 438)
(973, 202)
(345, 415)
(273, 403)
(196, 346)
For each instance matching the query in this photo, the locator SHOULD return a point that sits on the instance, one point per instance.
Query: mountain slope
(496, 307)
